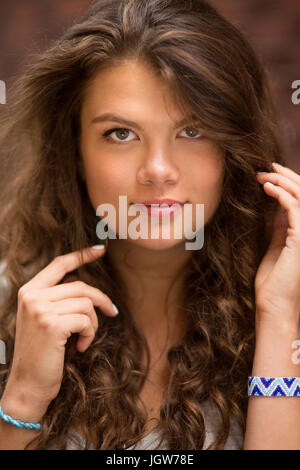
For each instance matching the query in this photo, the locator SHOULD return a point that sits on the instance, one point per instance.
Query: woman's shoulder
(212, 420)
(76, 442)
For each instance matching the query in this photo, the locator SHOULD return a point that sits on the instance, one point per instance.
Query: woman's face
(154, 156)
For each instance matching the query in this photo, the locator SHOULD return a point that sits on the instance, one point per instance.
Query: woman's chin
(158, 243)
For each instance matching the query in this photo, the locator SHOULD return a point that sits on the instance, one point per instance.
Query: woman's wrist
(276, 350)
(23, 405)
(287, 323)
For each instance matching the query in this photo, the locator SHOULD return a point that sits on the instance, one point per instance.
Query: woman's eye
(122, 134)
(191, 132)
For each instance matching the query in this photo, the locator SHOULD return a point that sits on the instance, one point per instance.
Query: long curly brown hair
(213, 72)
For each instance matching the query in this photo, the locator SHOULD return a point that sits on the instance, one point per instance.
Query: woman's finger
(55, 271)
(283, 170)
(282, 181)
(77, 323)
(288, 202)
(80, 289)
(80, 305)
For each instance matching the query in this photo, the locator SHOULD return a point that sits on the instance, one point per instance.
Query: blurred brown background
(272, 27)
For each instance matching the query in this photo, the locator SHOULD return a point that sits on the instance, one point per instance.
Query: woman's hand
(277, 282)
(47, 316)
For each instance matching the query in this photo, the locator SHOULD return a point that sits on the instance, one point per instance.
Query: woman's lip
(157, 211)
(161, 201)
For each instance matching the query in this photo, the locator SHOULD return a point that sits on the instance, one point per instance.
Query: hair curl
(214, 73)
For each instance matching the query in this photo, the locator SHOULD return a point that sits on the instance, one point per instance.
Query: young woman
(151, 100)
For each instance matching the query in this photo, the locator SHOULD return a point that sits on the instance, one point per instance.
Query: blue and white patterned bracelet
(17, 422)
(274, 386)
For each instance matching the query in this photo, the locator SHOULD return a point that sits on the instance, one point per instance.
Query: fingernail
(115, 309)
(261, 172)
(275, 164)
(98, 247)
(269, 184)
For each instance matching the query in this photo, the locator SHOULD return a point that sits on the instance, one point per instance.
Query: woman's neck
(154, 284)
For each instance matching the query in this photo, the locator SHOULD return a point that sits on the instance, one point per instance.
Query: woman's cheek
(208, 191)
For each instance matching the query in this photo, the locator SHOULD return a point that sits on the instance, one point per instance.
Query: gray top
(151, 440)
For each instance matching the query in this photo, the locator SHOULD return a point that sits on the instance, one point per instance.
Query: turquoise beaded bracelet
(17, 422)
(274, 386)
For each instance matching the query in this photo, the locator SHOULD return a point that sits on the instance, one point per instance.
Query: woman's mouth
(161, 209)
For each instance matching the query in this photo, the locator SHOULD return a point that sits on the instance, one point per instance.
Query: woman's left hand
(277, 281)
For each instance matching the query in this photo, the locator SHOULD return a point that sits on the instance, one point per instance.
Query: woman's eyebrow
(121, 120)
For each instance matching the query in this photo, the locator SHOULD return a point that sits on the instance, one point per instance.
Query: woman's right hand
(47, 316)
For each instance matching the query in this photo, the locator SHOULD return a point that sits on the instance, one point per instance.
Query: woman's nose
(158, 168)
